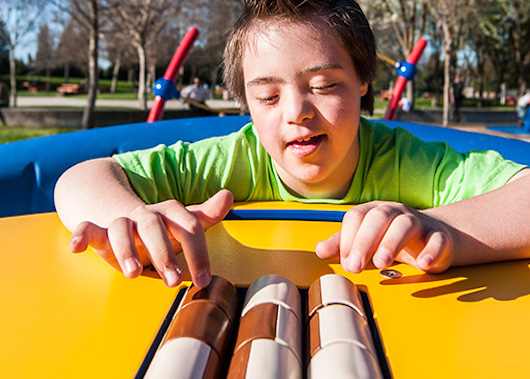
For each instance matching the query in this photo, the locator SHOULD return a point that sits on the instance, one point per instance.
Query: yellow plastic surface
(66, 315)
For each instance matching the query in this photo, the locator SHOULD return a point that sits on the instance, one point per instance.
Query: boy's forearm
(97, 191)
(490, 227)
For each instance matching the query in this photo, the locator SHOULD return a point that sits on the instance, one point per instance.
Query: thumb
(214, 209)
(330, 248)
(87, 233)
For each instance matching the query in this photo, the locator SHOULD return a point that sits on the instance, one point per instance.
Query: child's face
(304, 95)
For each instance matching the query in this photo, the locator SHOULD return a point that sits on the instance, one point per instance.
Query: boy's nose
(297, 108)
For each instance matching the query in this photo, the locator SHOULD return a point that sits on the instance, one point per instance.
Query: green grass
(18, 133)
(123, 87)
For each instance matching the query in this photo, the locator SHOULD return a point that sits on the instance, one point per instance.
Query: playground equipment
(165, 88)
(406, 71)
(66, 315)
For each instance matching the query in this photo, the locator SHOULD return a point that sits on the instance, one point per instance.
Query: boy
(304, 69)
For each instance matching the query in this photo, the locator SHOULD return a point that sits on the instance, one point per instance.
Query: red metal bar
(157, 110)
(413, 57)
(394, 100)
(181, 53)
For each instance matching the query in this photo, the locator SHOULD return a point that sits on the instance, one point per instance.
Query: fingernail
(172, 276)
(203, 279)
(74, 241)
(130, 266)
(354, 263)
(384, 257)
(318, 246)
(426, 261)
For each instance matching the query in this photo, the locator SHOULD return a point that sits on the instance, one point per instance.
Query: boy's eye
(324, 88)
(267, 100)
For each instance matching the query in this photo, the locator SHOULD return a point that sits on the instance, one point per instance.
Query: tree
(408, 23)
(140, 21)
(450, 16)
(160, 53)
(517, 24)
(214, 20)
(19, 18)
(86, 13)
(72, 49)
(116, 47)
(4, 52)
(44, 60)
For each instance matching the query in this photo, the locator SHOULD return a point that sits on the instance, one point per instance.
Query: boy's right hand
(154, 234)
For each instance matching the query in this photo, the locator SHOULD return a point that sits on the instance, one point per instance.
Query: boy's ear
(364, 89)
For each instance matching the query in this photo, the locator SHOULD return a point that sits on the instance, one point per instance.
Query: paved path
(66, 101)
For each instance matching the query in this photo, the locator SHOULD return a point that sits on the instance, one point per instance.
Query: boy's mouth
(306, 146)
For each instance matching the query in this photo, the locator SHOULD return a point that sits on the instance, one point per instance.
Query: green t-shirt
(394, 165)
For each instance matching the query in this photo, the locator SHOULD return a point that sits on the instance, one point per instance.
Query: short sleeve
(395, 165)
(193, 172)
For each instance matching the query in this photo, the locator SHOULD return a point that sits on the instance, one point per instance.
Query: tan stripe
(343, 360)
(265, 359)
(185, 357)
(337, 289)
(273, 289)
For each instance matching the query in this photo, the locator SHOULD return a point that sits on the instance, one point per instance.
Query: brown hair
(344, 17)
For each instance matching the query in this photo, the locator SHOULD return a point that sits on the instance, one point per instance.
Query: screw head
(390, 274)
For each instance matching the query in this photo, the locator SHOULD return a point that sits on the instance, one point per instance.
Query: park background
(114, 50)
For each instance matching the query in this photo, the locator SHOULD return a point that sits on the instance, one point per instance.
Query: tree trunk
(142, 100)
(447, 40)
(151, 77)
(115, 73)
(12, 76)
(88, 113)
(214, 75)
(130, 74)
(410, 91)
(517, 37)
(67, 72)
(48, 79)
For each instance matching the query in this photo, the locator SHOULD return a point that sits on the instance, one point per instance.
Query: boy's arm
(486, 228)
(95, 201)
(490, 227)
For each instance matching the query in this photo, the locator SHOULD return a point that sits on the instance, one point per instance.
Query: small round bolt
(390, 274)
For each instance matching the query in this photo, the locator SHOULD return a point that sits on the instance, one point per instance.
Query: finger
(403, 229)
(436, 256)
(350, 225)
(187, 229)
(121, 239)
(330, 248)
(152, 232)
(89, 234)
(369, 234)
(214, 209)
(85, 234)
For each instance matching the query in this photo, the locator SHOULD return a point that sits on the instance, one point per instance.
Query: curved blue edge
(285, 215)
(29, 169)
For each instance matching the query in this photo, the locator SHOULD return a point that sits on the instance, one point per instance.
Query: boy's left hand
(388, 231)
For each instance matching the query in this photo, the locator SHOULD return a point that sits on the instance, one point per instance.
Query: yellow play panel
(69, 315)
